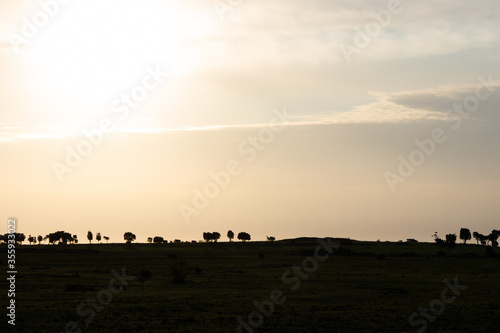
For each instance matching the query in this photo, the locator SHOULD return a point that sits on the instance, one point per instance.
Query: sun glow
(96, 49)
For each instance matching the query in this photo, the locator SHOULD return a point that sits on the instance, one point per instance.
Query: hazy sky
(363, 119)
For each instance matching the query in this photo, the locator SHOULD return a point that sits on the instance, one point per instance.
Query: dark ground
(363, 287)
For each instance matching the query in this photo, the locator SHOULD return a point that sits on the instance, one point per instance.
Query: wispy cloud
(388, 107)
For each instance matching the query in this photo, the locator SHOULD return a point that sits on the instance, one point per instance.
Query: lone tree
(465, 234)
(40, 239)
(158, 240)
(150, 239)
(243, 236)
(129, 237)
(98, 237)
(90, 236)
(230, 235)
(215, 236)
(270, 238)
(106, 238)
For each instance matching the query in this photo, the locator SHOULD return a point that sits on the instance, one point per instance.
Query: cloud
(312, 32)
(391, 108)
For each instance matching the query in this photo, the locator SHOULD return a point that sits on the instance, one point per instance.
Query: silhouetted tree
(31, 239)
(20, 237)
(243, 236)
(439, 242)
(90, 236)
(451, 240)
(215, 236)
(493, 238)
(208, 236)
(270, 238)
(475, 234)
(483, 239)
(465, 234)
(40, 239)
(230, 235)
(129, 237)
(98, 237)
(75, 239)
(158, 240)
(61, 237)
(150, 239)
(106, 238)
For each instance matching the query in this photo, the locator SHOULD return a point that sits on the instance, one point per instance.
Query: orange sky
(116, 116)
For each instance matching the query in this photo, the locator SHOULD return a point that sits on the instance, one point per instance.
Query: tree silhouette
(270, 238)
(90, 236)
(230, 235)
(451, 240)
(439, 242)
(61, 237)
(215, 236)
(98, 237)
(106, 238)
(465, 234)
(158, 240)
(129, 237)
(493, 238)
(40, 239)
(150, 239)
(243, 236)
(481, 238)
(20, 238)
(475, 234)
(208, 236)
(31, 239)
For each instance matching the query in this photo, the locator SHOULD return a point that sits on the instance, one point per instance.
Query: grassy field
(362, 287)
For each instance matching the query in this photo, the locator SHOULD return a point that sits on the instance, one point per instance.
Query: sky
(363, 119)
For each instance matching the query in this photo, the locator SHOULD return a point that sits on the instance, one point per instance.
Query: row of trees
(214, 236)
(63, 237)
(465, 235)
(59, 237)
(492, 238)
(98, 237)
(209, 237)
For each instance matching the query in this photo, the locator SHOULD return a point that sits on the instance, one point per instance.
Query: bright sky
(363, 119)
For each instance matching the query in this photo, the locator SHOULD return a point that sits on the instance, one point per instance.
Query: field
(360, 287)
